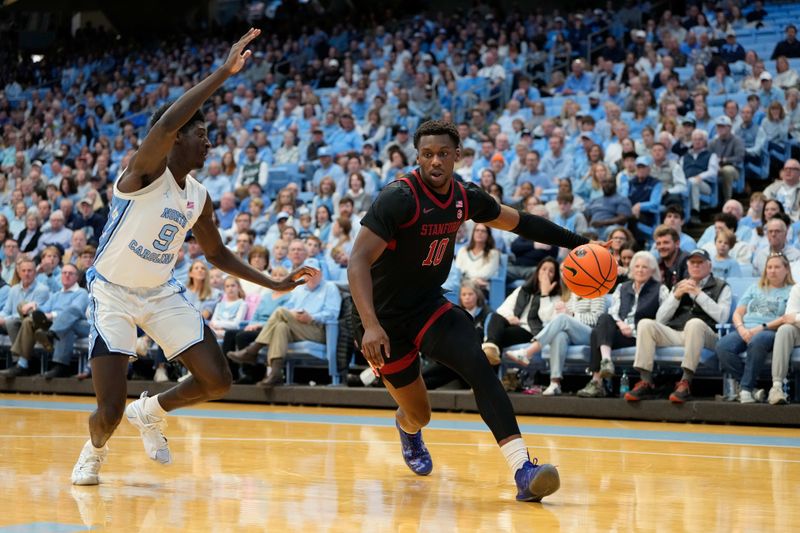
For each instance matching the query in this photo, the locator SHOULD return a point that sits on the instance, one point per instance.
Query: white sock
(605, 351)
(153, 408)
(95, 449)
(777, 384)
(516, 453)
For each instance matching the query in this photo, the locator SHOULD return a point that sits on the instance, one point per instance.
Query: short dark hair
(675, 209)
(437, 127)
(198, 116)
(727, 219)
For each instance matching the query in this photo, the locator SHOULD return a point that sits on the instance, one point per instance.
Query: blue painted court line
(43, 527)
(388, 421)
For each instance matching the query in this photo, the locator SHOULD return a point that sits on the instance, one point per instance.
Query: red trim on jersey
(432, 196)
(416, 199)
(466, 202)
(392, 245)
(434, 317)
(399, 365)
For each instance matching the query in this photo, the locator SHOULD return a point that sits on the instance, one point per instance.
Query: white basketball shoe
(152, 430)
(88, 466)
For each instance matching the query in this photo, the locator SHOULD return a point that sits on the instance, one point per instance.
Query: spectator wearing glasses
(776, 230)
(786, 189)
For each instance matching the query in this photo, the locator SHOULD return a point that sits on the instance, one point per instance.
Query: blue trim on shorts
(112, 226)
(182, 292)
(94, 331)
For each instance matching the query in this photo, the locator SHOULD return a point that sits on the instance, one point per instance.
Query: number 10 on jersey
(436, 252)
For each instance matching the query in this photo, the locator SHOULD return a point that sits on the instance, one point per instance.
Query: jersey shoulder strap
(416, 202)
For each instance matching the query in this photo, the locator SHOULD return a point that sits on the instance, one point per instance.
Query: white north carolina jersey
(139, 245)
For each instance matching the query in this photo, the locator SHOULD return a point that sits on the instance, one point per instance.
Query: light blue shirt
(763, 305)
(76, 298)
(744, 233)
(579, 85)
(323, 303)
(345, 141)
(217, 186)
(266, 306)
(52, 282)
(725, 268)
(334, 171)
(36, 292)
(556, 167)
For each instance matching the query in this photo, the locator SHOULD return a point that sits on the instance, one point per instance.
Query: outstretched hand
(297, 277)
(238, 55)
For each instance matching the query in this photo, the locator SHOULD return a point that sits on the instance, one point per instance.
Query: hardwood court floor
(291, 469)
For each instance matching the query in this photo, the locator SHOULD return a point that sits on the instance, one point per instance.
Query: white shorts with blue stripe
(162, 312)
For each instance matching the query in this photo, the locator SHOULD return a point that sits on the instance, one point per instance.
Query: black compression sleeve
(539, 229)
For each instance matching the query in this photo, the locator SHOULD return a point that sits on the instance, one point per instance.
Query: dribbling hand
(238, 55)
(374, 346)
(297, 277)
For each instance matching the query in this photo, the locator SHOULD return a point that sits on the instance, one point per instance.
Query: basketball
(589, 271)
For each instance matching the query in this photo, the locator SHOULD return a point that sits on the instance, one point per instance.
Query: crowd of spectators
(618, 123)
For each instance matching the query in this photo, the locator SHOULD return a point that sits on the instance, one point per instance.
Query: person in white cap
(768, 93)
(730, 150)
(687, 317)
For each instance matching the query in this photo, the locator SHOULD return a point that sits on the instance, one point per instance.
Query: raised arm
(221, 257)
(150, 159)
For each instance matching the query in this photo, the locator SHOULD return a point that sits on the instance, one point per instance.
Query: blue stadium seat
(711, 199)
(315, 354)
(497, 284)
(277, 179)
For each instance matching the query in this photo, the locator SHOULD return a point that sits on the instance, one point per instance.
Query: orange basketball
(589, 271)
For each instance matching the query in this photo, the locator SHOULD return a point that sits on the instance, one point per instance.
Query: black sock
(687, 375)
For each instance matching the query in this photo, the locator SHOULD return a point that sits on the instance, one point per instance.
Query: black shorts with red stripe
(406, 336)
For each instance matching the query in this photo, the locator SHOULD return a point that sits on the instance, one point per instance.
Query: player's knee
(420, 418)
(110, 415)
(219, 386)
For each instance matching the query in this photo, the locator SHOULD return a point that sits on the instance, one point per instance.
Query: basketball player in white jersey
(156, 202)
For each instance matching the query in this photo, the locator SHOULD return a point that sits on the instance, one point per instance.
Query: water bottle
(728, 388)
(624, 384)
(368, 377)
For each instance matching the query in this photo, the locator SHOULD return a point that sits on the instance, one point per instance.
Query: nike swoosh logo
(427, 210)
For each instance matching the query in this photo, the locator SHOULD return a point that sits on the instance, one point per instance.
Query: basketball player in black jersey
(400, 259)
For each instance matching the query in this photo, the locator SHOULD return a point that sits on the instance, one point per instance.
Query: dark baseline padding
(700, 411)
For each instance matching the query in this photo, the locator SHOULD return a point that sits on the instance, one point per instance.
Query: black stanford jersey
(420, 229)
